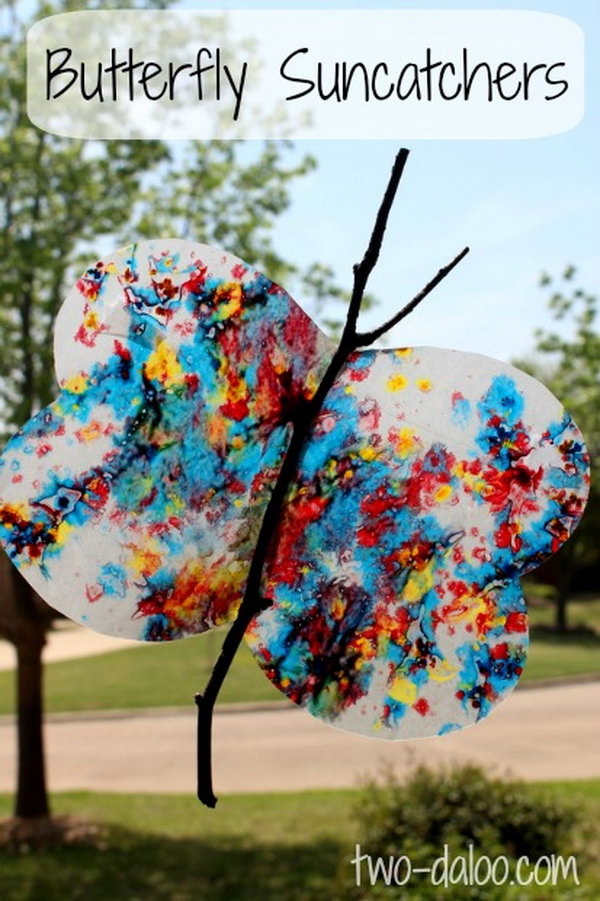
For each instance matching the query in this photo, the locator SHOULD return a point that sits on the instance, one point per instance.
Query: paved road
(67, 641)
(541, 733)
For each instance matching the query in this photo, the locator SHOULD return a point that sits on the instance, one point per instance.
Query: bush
(458, 806)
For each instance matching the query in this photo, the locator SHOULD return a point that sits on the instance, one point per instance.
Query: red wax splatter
(238, 271)
(499, 651)
(237, 410)
(516, 622)
(93, 593)
(421, 706)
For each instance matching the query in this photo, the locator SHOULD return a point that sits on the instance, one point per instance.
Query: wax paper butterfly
(431, 481)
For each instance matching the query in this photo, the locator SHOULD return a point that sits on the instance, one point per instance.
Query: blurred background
(106, 809)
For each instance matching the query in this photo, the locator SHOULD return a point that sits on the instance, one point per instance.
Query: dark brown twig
(365, 339)
(363, 269)
(252, 602)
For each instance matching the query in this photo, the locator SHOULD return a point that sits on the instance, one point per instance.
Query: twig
(252, 602)
(363, 269)
(365, 339)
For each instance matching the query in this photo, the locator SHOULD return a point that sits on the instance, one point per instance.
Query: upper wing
(431, 480)
(132, 502)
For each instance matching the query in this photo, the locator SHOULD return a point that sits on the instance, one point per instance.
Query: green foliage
(56, 196)
(434, 806)
(127, 679)
(63, 201)
(460, 806)
(221, 192)
(568, 362)
(318, 283)
(272, 847)
(170, 848)
(573, 360)
(120, 679)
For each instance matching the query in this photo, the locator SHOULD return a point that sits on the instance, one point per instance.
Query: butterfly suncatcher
(362, 517)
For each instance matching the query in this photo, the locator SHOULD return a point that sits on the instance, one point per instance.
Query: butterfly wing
(431, 481)
(132, 502)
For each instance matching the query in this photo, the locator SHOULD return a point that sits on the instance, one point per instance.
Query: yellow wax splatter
(91, 320)
(419, 583)
(146, 560)
(90, 432)
(76, 384)
(443, 671)
(403, 690)
(408, 443)
(443, 493)
(337, 609)
(368, 453)
(163, 365)
(311, 384)
(229, 297)
(397, 382)
(62, 532)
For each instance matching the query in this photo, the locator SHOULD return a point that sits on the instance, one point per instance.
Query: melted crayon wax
(132, 502)
(431, 481)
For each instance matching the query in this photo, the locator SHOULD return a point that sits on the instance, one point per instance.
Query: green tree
(61, 200)
(568, 362)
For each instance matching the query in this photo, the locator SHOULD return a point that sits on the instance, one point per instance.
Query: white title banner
(317, 74)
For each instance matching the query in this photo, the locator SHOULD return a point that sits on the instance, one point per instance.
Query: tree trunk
(32, 796)
(562, 598)
(566, 568)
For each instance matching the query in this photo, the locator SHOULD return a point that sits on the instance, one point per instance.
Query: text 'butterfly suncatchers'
(364, 516)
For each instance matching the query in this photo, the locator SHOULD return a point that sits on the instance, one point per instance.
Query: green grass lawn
(156, 675)
(553, 655)
(581, 613)
(289, 847)
(167, 674)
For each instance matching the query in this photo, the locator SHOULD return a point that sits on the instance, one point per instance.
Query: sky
(523, 206)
